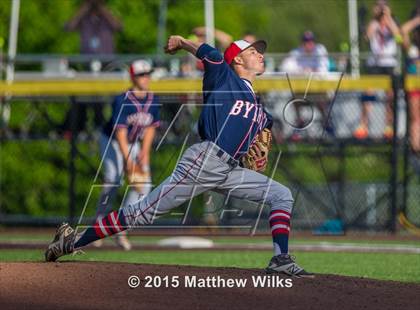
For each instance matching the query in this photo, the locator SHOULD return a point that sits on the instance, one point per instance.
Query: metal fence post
(342, 181)
(72, 159)
(394, 162)
(406, 155)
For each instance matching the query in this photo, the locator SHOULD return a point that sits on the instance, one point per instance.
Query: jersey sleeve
(119, 116)
(214, 65)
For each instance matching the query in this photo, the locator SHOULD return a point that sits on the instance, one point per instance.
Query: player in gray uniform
(125, 142)
(229, 123)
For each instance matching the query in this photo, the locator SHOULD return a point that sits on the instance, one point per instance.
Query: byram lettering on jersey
(247, 107)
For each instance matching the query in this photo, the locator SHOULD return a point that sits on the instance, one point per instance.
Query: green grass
(384, 266)
(46, 236)
(222, 240)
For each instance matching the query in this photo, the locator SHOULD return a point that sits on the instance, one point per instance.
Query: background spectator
(310, 57)
(413, 67)
(383, 35)
(222, 40)
(96, 26)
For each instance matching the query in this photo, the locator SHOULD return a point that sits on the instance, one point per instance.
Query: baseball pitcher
(234, 129)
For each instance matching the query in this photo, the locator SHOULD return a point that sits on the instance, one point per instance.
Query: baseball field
(209, 132)
(375, 272)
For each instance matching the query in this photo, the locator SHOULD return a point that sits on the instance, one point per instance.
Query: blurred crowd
(389, 41)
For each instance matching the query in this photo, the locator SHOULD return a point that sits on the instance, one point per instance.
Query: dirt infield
(76, 285)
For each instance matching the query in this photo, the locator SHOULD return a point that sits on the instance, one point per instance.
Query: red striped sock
(106, 226)
(280, 228)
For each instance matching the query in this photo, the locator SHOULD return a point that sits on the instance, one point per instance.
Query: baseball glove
(257, 157)
(138, 178)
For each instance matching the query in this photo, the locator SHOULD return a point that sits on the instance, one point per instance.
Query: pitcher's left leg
(250, 185)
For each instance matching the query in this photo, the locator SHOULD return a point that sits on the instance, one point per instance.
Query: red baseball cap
(239, 46)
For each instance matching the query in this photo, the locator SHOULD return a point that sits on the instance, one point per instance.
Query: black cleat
(285, 263)
(62, 244)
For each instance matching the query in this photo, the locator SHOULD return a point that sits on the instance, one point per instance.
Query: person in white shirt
(412, 47)
(309, 57)
(384, 35)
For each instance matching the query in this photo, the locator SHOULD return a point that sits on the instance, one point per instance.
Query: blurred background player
(383, 35)
(126, 141)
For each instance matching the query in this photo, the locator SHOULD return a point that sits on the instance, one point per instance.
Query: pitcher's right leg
(250, 185)
(196, 172)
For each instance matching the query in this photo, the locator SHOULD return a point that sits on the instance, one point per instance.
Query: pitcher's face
(253, 60)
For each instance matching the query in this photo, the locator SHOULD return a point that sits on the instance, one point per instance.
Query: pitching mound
(76, 285)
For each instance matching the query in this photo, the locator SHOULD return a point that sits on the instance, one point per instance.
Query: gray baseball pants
(204, 166)
(113, 173)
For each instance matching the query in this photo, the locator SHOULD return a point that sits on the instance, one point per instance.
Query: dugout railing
(114, 66)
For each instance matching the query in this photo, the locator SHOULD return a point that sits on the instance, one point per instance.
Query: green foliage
(313, 164)
(183, 16)
(281, 22)
(41, 27)
(33, 178)
(140, 19)
(5, 20)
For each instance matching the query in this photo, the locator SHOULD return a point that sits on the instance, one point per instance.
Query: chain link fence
(340, 180)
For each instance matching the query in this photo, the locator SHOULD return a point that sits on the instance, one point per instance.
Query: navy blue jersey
(133, 113)
(232, 116)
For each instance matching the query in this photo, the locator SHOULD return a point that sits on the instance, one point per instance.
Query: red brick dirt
(95, 285)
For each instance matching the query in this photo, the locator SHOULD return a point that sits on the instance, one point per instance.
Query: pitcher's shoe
(285, 263)
(62, 244)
